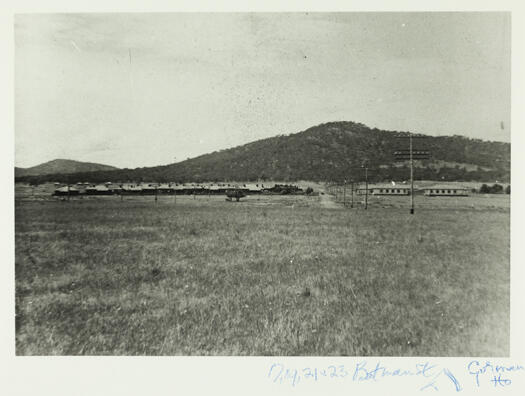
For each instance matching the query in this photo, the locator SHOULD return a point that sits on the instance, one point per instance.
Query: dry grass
(268, 276)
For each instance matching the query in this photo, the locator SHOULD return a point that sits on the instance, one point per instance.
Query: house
(444, 190)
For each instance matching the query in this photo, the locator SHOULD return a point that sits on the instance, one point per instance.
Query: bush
(309, 190)
(484, 189)
(496, 189)
(507, 190)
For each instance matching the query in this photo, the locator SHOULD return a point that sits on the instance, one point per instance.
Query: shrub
(484, 189)
(496, 189)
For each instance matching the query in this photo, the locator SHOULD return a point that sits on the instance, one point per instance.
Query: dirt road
(327, 201)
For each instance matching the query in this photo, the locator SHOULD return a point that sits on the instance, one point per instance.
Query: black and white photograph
(262, 184)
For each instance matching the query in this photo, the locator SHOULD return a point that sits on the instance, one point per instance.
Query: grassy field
(268, 276)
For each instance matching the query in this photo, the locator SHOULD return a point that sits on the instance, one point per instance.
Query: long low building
(66, 191)
(151, 188)
(385, 189)
(441, 190)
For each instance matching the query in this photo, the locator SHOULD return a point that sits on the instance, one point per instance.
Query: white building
(385, 189)
(446, 190)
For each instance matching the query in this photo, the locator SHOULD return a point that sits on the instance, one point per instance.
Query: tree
(507, 190)
(496, 189)
(484, 189)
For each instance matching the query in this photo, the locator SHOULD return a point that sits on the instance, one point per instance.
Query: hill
(328, 152)
(61, 166)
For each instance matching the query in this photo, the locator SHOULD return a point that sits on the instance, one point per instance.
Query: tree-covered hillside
(327, 152)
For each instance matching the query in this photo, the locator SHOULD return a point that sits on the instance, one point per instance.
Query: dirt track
(326, 201)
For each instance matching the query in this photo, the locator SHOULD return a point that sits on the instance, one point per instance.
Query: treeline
(328, 152)
(494, 189)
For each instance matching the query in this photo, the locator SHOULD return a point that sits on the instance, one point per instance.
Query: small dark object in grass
(306, 292)
(237, 194)
(155, 272)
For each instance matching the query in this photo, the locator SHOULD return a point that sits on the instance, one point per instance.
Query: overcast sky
(134, 90)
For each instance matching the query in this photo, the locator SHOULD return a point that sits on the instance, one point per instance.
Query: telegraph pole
(344, 193)
(411, 178)
(366, 185)
(419, 154)
(352, 187)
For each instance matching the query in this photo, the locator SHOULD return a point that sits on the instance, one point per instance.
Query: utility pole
(365, 165)
(352, 187)
(411, 178)
(419, 154)
(344, 194)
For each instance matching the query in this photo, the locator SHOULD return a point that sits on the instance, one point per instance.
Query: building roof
(254, 187)
(131, 187)
(65, 189)
(445, 187)
(99, 187)
(386, 185)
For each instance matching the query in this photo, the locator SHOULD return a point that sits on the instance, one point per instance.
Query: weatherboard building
(442, 190)
(385, 189)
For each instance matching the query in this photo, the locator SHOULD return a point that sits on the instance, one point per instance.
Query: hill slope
(61, 166)
(331, 151)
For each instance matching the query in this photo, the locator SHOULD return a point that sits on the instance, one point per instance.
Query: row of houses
(404, 189)
(171, 188)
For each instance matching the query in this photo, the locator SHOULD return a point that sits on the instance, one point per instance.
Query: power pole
(344, 194)
(352, 186)
(366, 187)
(411, 155)
(411, 178)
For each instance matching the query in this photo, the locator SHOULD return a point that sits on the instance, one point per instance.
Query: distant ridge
(333, 151)
(61, 166)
